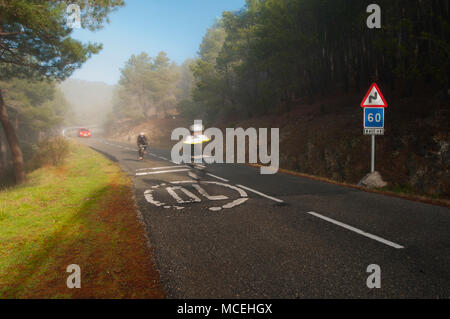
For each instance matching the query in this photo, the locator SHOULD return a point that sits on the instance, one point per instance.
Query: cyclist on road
(142, 144)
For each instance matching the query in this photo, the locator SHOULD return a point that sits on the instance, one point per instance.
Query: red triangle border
(367, 95)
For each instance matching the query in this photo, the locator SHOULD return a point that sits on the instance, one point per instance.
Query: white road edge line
(358, 231)
(162, 172)
(156, 168)
(261, 194)
(219, 178)
(145, 169)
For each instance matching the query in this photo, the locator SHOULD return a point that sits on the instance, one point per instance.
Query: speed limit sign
(373, 121)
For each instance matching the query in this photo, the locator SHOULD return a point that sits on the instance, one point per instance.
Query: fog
(90, 101)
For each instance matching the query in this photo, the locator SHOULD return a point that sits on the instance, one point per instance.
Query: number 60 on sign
(374, 120)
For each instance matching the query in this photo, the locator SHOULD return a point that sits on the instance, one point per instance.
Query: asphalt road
(239, 234)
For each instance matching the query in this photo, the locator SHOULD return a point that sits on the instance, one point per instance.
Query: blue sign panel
(373, 117)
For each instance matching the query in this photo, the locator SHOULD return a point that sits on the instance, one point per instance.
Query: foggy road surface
(239, 234)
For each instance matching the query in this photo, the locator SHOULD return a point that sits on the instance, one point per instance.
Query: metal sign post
(372, 166)
(373, 125)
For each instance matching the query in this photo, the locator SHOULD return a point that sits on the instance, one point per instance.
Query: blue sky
(174, 26)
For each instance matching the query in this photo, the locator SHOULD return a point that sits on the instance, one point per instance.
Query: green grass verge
(61, 216)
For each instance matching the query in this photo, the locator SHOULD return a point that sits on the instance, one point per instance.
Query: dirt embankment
(326, 139)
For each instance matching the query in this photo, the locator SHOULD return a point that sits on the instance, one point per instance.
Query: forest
(150, 87)
(272, 53)
(37, 109)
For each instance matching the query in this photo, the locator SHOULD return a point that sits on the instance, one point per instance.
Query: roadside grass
(81, 213)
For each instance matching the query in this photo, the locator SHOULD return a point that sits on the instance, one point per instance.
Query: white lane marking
(143, 169)
(206, 195)
(172, 191)
(163, 172)
(261, 194)
(156, 168)
(219, 178)
(162, 157)
(148, 194)
(238, 201)
(240, 191)
(184, 182)
(358, 231)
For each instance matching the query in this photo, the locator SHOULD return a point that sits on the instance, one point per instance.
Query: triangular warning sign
(374, 98)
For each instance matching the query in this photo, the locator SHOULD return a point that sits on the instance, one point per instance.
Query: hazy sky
(174, 26)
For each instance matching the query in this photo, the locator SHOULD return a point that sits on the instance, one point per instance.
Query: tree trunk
(11, 137)
(3, 154)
